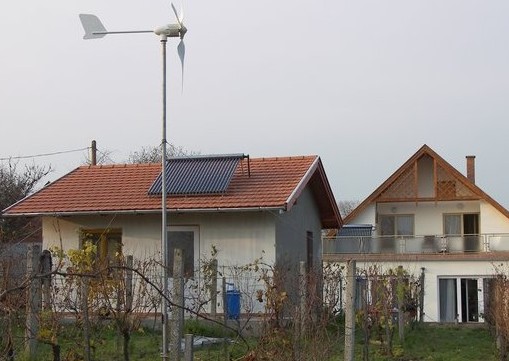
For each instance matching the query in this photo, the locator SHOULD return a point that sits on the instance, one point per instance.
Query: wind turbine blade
(176, 15)
(181, 16)
(181, 49)
(93, 27)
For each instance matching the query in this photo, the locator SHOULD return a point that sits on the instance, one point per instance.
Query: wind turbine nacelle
(170, 30)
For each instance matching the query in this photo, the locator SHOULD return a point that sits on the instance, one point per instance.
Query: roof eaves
(330, 196)
(77, 213)
(315, 167)
(5, 211)
(145, 211)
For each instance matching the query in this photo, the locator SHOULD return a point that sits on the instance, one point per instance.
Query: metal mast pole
(164, 231)
(94, 29)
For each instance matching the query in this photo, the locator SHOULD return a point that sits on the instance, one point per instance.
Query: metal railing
(494, 242)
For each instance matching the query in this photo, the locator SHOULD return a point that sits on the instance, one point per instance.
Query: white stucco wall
(141, 235)
(367, 216)
(239, 237)
(492, 221)
(428, 216)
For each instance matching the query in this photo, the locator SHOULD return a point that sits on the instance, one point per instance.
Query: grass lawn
(449, 343)
(424, 343)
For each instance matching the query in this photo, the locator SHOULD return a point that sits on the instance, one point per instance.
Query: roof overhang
(145, 211)
(317, 181)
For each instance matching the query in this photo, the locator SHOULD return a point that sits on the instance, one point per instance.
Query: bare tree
(103, 156)
(346, 207)
(16, 184)
(152, 154)
(145, 155)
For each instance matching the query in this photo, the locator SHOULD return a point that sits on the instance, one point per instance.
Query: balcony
(417, 245)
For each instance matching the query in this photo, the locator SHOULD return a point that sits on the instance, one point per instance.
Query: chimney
(471, 168)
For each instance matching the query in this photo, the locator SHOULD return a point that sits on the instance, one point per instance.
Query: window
(448, 302)
(397, 225)
(462, 231)
(452, 224)
(186, 239)
(469, 300)
(460, 299)
(394, 225)
(107, 241)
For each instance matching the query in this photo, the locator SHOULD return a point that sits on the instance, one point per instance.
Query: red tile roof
(273, 183)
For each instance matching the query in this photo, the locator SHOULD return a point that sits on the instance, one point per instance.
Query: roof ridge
(291, 157)
(118, 165)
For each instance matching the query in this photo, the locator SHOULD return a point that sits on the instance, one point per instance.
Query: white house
(245, 208)
(428, 217)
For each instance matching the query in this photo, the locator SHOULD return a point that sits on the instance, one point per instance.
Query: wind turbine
(94, 29)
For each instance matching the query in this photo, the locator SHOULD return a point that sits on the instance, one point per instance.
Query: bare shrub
(497, 310)
(298, 327)
(385, 295)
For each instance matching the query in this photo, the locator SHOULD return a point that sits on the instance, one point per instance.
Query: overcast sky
(362, 84)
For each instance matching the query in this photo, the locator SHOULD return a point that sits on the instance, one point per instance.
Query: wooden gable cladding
(449, 187)
(427, 179)
(404, 187)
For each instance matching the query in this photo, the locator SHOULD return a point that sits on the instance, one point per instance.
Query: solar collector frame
(197, 175)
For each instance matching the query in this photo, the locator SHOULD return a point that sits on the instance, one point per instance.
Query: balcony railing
(417, 244)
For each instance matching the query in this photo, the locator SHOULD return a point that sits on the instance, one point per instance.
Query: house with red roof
(246, 208)
(438, 224)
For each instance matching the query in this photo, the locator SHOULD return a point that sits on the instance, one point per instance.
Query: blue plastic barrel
(233, 304)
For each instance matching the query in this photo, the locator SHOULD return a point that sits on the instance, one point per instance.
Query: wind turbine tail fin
(93, 27)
